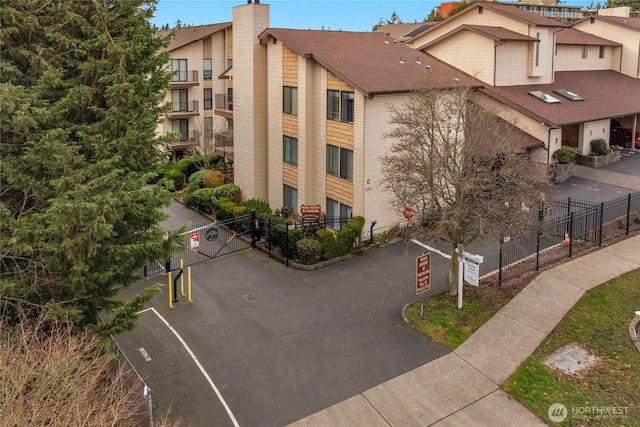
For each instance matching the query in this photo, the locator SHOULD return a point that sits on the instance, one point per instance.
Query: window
(179, 69)
(290, 100)
(585, 50)
(179, 100)
(181, 127)
(290, 197)
(340, 106)
(333, 156)
(208, 128)
(347, 107)
(230, 124)
(208, 99)
(290, 150)
(337, 213)
(333, 105)
(229, 62)
(340, 162)
(346, 164)
(601, 52)
(206, 69)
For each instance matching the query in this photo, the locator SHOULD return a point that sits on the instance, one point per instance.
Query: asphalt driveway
(278, 344)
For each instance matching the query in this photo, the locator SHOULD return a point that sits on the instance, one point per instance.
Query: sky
(346, 15)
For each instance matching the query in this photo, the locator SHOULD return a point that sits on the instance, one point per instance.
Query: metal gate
(206, 241)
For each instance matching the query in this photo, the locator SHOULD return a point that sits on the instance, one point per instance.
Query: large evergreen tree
(82, 85)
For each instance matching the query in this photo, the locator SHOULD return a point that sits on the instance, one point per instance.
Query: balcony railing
(184, 78)
(223, 144)
(184, 109)
(224, 102)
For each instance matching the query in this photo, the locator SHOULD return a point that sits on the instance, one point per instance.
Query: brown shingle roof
(516, 13)
(401, 32)
(187, 35)
(369, 62)
(606, 94)
(573, 36)
(631, 23)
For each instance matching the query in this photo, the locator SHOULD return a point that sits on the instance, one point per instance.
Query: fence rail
(568, 227)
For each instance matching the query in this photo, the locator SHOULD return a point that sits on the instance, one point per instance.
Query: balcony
(186, 140)
(184, 79)
(224, 105)
(223, 144)
(182, 110)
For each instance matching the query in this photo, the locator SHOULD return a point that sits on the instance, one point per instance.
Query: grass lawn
(599, 323)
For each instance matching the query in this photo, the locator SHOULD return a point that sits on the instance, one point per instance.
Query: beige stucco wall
(629, 38)
(569, 58)
(470, 52)
(593, 130)
(275, 131)
(512, 62)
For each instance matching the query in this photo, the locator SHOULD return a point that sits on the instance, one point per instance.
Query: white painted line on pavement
(198, 364)
(419, 243)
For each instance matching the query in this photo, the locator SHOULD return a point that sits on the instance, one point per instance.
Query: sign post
(460, 272)
(423, 277)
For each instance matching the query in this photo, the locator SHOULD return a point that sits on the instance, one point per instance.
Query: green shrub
(230, 191)
(226, 208)
(189, 165)
(260, 206)
(309, 251)
(195, 179)
(290, 250)
(348, 235)
(202, 199)
(599, 147)
(328, 243)
(211, 160)
(564, 156)
(213, 179)
(172, 173)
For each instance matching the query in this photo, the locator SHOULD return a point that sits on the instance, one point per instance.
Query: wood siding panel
(511, 64)
(289, 67)
(290, 176)
(340, 190)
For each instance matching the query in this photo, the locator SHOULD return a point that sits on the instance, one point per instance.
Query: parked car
(622, 136)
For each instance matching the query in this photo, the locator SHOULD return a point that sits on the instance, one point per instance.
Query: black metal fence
(568, 227)
(203, 242)
(274, 234)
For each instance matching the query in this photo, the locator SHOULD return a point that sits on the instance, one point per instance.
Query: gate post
(500, 261)
(571, 235)
(628, 213)
(254, 228)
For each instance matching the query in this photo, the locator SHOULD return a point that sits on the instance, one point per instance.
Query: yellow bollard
(170, 289)
(189, 284)
(182, 278)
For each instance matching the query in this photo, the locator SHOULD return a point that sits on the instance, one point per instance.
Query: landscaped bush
(328, 243)
(213, 179)
(599, 147)
(260, 206)
(189, 165)
(290, 250)
(230, 191)
(348, 235)
(309, 251)
(195, 180)
(173, 174)
(202, 199)
(226, 208)
(564, 156)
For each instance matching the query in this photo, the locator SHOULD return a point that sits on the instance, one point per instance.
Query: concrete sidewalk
(463, 387)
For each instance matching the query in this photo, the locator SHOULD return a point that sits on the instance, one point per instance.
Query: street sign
(472, 272)
(195, 240)
(408, 213)
(423, 273)
(310, 214)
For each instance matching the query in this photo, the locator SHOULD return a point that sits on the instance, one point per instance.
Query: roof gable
(183, 36)
(629, 23)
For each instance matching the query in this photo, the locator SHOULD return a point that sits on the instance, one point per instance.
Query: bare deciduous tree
(460, 167)
(54, 376)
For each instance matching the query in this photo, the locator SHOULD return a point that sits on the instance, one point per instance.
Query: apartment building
(303, 114)
(200, 98)
(534, 70)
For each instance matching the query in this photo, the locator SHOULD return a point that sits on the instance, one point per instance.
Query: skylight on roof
(545, 97)
(569, 95)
